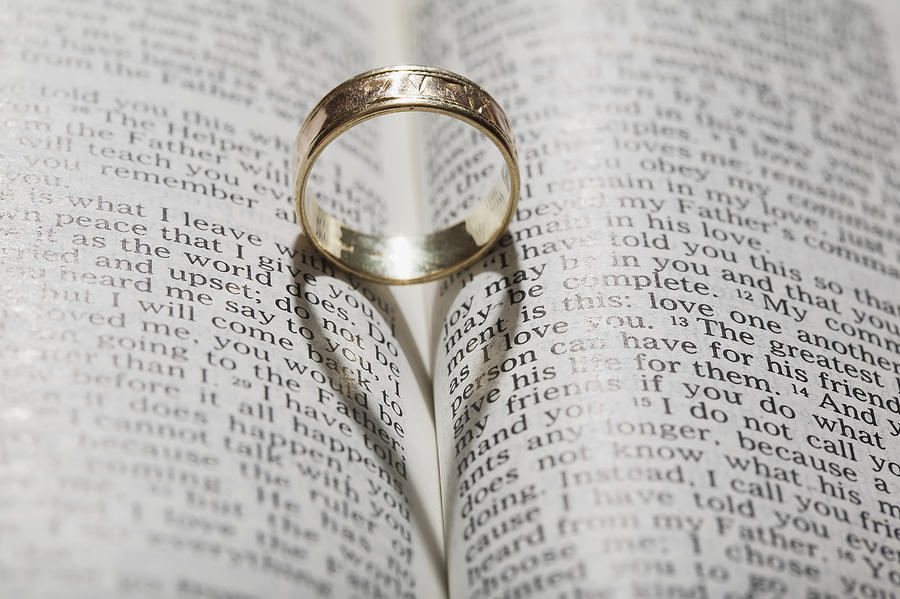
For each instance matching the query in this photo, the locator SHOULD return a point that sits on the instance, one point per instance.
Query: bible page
(192, 402)
(677, 375)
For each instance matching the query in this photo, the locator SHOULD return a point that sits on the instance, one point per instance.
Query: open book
(678, 375)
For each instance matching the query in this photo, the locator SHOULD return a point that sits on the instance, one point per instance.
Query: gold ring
(399, 259)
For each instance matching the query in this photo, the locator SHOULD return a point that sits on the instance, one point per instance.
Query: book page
(192, 402)
(677, 375)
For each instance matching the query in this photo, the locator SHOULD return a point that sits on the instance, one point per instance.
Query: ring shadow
(403, 335)
(509, 313)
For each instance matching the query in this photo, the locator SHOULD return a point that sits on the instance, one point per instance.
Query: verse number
(679, 321)
(744, 294)
(241, 383)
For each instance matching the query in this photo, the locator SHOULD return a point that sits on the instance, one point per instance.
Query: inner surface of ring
(403, 257)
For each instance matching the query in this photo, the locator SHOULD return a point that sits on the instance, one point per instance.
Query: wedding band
(399, 259)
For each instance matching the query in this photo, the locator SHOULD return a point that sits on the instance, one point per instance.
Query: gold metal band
(402, 259)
